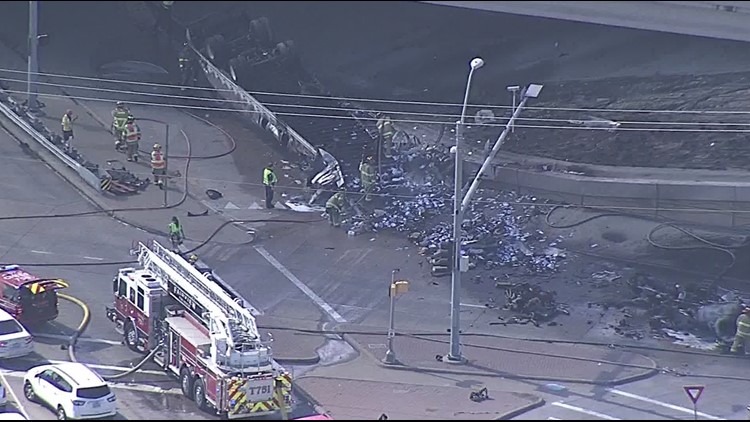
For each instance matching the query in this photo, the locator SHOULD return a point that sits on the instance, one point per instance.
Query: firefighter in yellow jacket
(742, 337)
(387, 133)
(369, 175)
(335, 207)
(132, 135)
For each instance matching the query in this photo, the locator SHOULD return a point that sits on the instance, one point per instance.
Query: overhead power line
(365, 110)
(340, 117)
(376, 100)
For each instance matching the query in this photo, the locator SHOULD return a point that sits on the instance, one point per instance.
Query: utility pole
(33, 64)
(165, 184)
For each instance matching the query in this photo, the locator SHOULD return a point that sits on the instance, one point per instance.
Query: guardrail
(260, 115)
(82, 171)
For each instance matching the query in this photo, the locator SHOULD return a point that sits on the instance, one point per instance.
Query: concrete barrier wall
(716, 203)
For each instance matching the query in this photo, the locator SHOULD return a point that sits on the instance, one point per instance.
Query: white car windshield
(9, 327)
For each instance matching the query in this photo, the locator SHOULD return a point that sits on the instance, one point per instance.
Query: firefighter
(187, 66)
(158, 166)
(176, 235)
(742, 337)
(67, 125)
(387, 132)
(119, 119)
(369, 176)
(335, 207)
(132, 135)
(269, 181)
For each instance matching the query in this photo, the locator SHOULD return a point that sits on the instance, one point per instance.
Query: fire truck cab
(28, 298)
(196, 331)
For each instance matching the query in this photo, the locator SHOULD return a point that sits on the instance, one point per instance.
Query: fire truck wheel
(199, 394)
(131, 337)
(186, 382)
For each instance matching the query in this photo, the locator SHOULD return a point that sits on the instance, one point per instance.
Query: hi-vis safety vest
(385, 126)
(157, 160)
(132, 133)
(66, 124)
(121, 116)
(269, 178)
(743, 325)
(367, 173)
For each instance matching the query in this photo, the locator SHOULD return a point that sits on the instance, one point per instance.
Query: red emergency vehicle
(30, 299)
(204, 336)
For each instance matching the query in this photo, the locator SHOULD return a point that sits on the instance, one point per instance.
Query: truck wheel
(199, 394)
(131, 337)
(260, 29)
(186, 382)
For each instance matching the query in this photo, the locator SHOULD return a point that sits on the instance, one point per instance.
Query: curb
(305, 395)
(539, 402)
(645, 373)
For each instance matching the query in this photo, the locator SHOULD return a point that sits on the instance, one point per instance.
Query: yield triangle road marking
(231, 206)
(255, 206)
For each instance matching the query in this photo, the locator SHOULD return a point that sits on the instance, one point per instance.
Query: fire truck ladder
(240, 323)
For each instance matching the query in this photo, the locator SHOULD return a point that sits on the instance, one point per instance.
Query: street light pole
(33, 64)
(458, 217)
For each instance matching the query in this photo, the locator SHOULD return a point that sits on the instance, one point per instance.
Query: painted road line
(105, 367)
(41, 252)
(552, 418)
(586, 411)
(13, 395)
(300, 285)
(83, 339)
(661, 403)
(93, 258)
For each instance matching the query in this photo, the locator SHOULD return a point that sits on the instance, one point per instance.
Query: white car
(15, 341)
(72, 390)
(12, 416)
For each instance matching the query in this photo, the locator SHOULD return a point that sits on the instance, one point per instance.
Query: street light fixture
(461, 205)
(396, 288)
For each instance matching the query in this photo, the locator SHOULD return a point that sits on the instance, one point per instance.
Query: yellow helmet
(157, 146)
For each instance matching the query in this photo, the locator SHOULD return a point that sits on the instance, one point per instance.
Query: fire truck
(200, 333)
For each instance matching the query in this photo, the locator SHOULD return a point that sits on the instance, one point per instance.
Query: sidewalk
(509, 359)
(367, 400)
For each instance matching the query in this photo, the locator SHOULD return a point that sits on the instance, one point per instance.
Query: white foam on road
(300, 285)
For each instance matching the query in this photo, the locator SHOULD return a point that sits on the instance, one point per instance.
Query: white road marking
(93, 258)
(470, 305)
(552, 418)
(41, 252)
(119, 385)
(300, 285)
(661, 403)
(14, 396)
(586, 411)
(84, 339)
